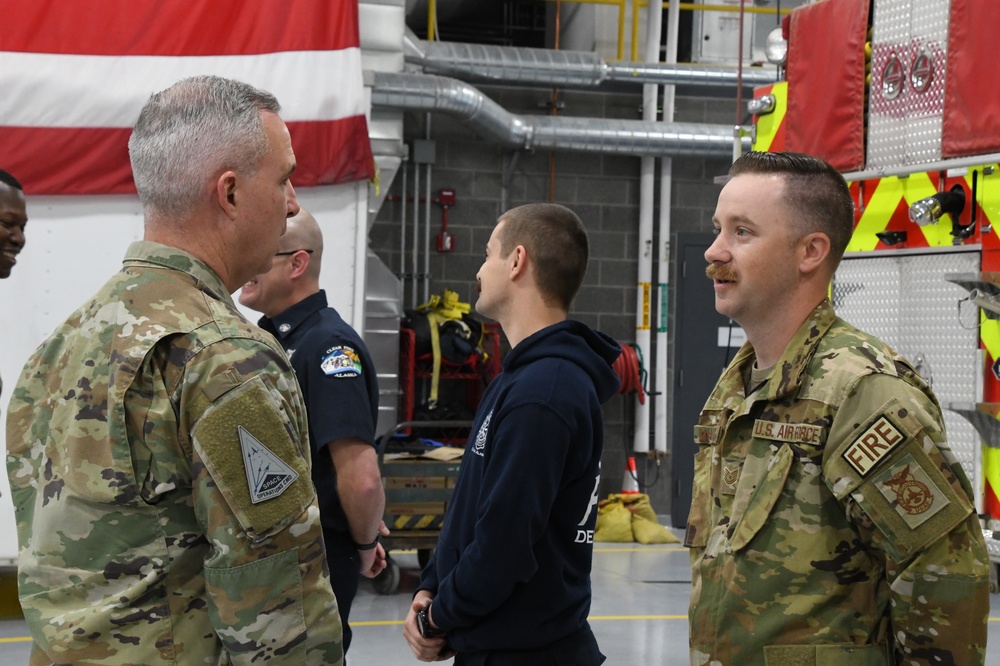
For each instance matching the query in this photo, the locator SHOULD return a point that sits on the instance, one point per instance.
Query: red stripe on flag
(68, 160)
(331, 152)
(177, 27)
(84, 160)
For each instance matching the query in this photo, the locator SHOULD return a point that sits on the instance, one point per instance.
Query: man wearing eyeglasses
(338, 382)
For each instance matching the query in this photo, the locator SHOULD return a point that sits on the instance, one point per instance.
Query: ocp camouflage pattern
(831, 523)
(137, 544)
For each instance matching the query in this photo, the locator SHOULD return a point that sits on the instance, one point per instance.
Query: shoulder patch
(265, 487)
(911, 491)
(267, 475)
(341, 361)
(873, 445)
(706, 434)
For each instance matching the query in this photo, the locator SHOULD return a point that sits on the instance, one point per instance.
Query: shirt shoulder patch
(873, 445)
(341, 361)
(267, 475)
(910, 490)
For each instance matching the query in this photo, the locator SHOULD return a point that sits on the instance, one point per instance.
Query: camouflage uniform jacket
(159, 465)
(831, 523)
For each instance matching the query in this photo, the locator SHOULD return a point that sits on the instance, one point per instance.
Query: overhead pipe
(579, 69)
(424, 92)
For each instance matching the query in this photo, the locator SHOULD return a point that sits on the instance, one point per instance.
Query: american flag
(74, 76)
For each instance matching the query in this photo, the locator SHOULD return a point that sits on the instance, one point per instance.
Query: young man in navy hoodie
(509, 582)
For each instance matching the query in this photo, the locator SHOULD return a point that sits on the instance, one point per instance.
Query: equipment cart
(417, 493)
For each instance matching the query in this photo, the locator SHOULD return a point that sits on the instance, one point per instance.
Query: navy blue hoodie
(512, 566)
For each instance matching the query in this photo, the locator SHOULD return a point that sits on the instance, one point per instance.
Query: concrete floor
(639, 612)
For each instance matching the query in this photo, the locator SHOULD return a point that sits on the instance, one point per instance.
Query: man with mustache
(831, 523)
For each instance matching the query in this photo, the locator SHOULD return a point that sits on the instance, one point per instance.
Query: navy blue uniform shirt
(339, 385)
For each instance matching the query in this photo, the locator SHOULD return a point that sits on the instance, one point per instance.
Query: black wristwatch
(424, 623)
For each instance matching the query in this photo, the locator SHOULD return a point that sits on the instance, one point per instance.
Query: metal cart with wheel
(417, 493)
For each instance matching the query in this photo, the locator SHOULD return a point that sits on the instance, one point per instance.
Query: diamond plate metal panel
(886, 121)
(909, 52)
(905, 301)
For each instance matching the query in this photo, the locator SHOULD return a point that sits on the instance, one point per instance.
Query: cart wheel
(387, 582)
(424, 556)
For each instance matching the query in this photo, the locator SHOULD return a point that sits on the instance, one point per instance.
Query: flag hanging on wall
(74, 76)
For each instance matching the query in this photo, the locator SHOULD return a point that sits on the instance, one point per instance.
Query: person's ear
(225, 190)
(815, 248)
(519, 262)
(300, 263)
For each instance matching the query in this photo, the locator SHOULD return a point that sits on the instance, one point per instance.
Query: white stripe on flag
(47, 90)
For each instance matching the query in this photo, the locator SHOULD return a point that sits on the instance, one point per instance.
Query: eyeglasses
(284, 254)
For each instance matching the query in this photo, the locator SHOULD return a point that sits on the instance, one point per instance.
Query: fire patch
(910, 491)
(873, 445)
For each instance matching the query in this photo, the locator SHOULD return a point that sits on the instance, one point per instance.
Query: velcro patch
(341, 361)
(221, 437)
(267, 475)
(730, 476)
(910, 491)
(787, 432)
(873, 445)
(706, 434)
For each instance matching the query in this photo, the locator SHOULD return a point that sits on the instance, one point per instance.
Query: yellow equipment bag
(624, 518)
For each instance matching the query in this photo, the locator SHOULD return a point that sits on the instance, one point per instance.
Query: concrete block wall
(602, 189)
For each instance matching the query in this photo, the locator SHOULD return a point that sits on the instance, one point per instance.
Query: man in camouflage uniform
(831, 523)
(158, 451)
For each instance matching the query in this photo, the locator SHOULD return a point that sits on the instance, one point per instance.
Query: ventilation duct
(423, 92)
(577, 69)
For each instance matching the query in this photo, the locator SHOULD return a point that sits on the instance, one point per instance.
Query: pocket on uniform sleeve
(256, 609)
(759, 487)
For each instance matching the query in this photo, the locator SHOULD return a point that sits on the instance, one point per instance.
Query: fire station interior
(634, 118)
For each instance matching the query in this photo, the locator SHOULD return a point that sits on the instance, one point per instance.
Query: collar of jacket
(789, 372)
(164, 256)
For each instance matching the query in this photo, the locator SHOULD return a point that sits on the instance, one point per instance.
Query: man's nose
(293, 201)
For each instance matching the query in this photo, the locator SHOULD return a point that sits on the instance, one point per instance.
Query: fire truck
(898, 95)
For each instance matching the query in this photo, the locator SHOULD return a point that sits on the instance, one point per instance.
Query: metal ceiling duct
(424, 92)
(579, 69)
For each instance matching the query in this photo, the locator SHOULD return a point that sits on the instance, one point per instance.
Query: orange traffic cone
(630, 481)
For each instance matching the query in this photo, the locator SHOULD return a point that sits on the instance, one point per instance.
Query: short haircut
(190, 133)
(556, 241)
(815, 192)
(8, 179)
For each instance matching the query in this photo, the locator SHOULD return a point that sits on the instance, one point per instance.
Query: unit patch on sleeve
(873, 444)
(267, 475)
(341, 361)
(910, 491)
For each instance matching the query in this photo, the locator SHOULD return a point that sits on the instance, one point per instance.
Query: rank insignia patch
(730, 476)
(267, 475)
(341, 361)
